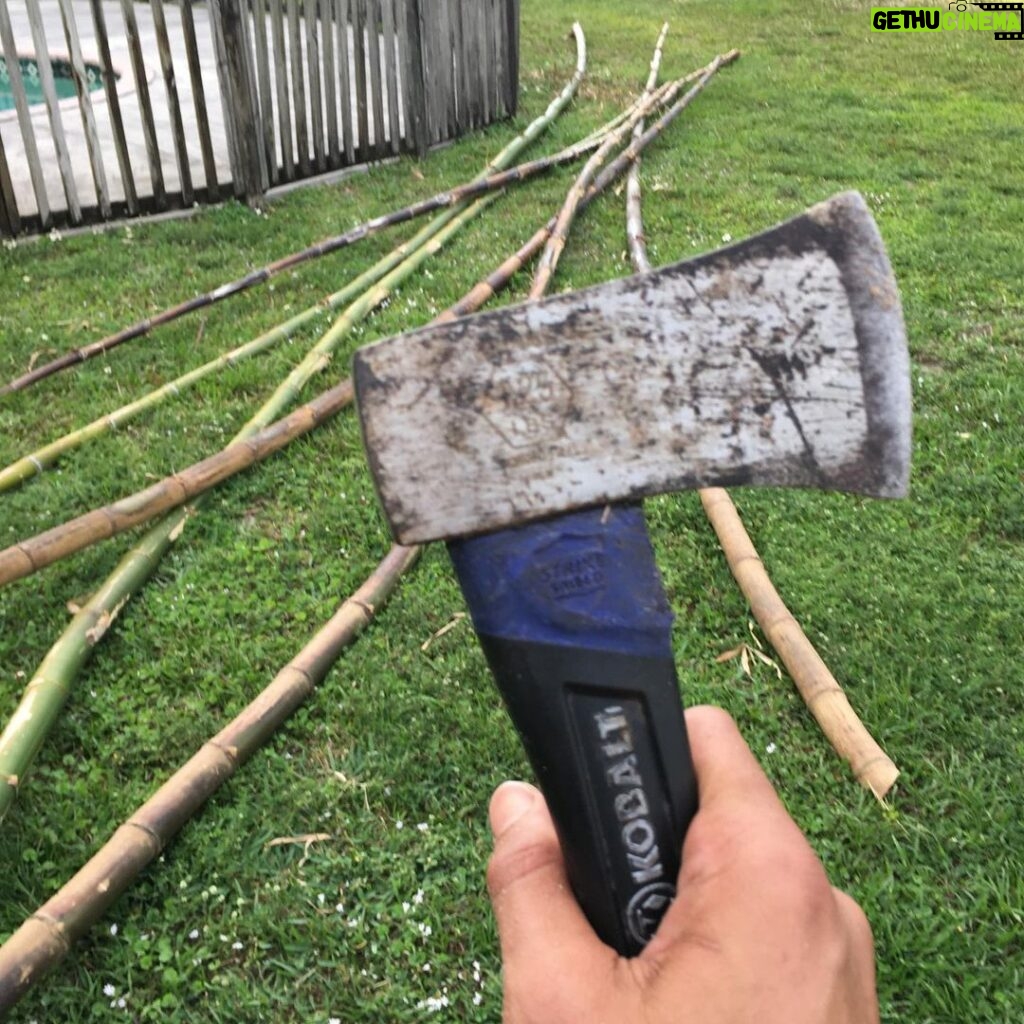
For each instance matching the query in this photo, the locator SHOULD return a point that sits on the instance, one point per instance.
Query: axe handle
(573, 619)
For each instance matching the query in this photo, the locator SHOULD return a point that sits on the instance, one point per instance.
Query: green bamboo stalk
(51, 684)
(29, 556)
(556, 243)
(616, 167)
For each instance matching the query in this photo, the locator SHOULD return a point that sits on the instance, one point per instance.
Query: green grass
(918, 606)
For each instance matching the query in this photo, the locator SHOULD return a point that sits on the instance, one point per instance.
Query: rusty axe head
(778, 361)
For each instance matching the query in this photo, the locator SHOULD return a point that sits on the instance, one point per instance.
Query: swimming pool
(63, 80)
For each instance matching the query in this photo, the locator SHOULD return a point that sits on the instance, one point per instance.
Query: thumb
(542, 930)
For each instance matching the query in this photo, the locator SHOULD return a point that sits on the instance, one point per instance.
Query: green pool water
(62, 80)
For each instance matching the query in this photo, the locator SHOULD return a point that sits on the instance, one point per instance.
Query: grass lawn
(917, 606)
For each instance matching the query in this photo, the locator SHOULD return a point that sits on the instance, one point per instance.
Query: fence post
(512, 58)
(236, 87)
(417, 89)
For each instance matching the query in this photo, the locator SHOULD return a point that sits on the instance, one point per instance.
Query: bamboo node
(368, 610)
(12, 781)
(35, 462)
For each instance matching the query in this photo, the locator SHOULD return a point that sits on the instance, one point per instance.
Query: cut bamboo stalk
(49, 933)
(467, 190)
(50, 685)
(634, 217)
(820, 690)
(616, 167)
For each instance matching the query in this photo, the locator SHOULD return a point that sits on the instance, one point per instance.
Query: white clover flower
(194, 934)
(423, 826)
(113, 929)
(771, 748)
(237, 945)
(109, 990)
(418, 898)
(477, 999)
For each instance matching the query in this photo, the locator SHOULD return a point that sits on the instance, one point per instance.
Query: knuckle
(856, 921)
(511, 864)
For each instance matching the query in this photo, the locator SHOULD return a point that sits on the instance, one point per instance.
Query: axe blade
(778, 361)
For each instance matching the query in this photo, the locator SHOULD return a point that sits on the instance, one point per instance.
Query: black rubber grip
(606, 736)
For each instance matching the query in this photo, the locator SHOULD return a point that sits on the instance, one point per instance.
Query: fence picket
(330, 82)
(28, 134)
(81, 80)
(195, 74)
(266, 101)
(10, 221)
(284, 113)
(60, 144)
(163, 44)
(109, 78)
(316, 111)
(156, 174)
(347, 90)
(373, 57)
(389, 77)
(298, 87)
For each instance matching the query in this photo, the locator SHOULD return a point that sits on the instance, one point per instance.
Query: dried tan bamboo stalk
(634, 217)
(49, 933)
(823, 695)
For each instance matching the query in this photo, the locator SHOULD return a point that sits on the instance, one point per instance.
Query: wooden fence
(117, 108)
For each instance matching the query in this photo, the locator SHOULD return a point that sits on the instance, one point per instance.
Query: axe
(526, 438)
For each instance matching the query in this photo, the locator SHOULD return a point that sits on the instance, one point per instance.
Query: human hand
(756, 932)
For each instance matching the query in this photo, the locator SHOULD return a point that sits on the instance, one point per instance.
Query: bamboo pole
(50, 685)
(820, 690)
(634, 217)
(49, 933)
(44, 549)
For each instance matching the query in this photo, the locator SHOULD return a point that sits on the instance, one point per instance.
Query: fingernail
(510, 802)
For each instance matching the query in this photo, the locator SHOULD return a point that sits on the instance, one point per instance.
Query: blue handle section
(586, 579)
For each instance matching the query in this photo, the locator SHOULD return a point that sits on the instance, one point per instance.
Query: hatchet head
(778, 361)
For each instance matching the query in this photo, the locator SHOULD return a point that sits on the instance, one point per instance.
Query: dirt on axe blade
(524, 437)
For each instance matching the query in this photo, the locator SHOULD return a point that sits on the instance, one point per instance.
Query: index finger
(727, 772)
